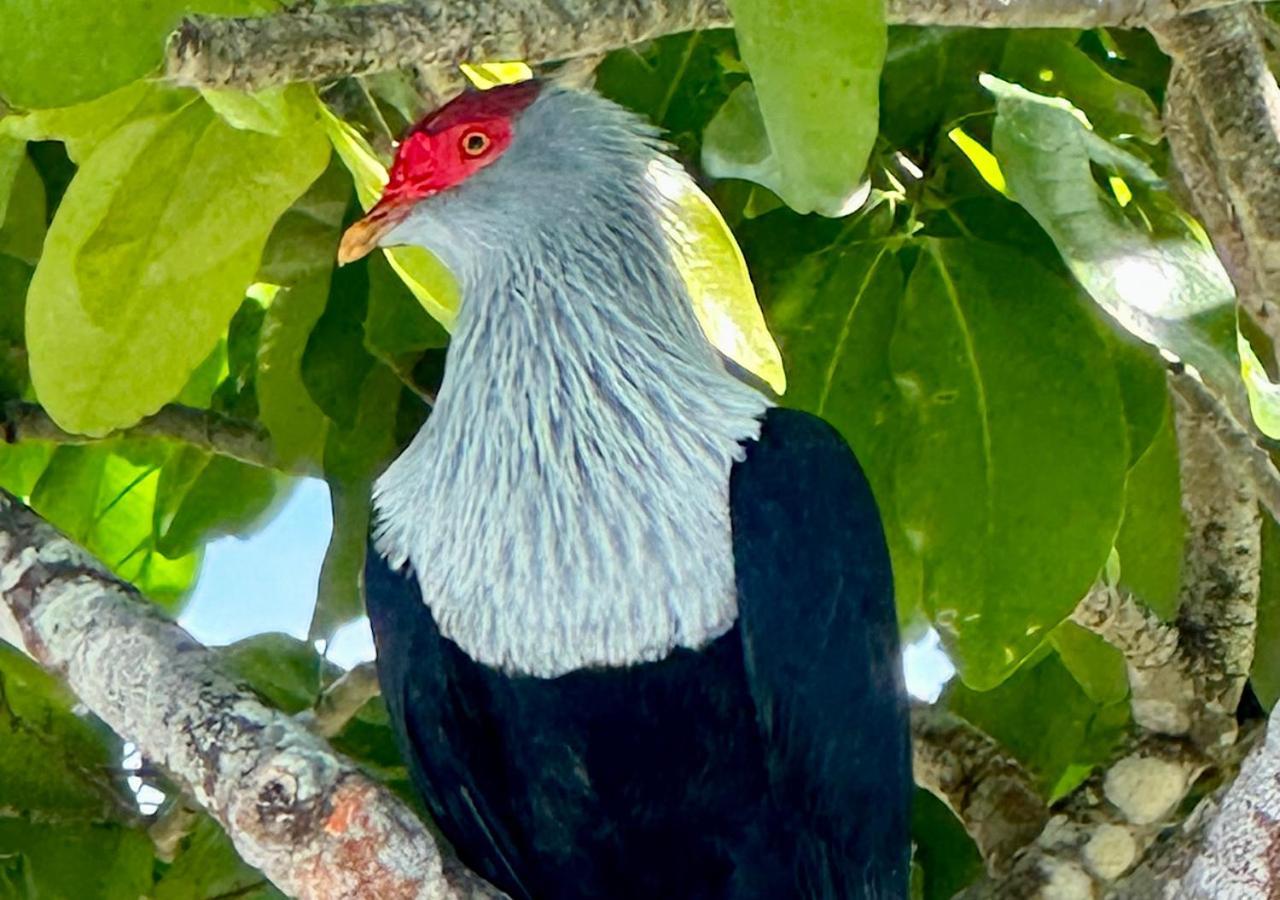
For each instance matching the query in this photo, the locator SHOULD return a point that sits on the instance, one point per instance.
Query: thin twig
(201, 428)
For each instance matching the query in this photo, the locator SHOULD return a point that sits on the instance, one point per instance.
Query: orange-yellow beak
(362, 237)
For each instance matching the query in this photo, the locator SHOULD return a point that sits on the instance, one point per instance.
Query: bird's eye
(475, 143)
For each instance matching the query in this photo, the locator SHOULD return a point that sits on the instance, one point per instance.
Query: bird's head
(491, 166)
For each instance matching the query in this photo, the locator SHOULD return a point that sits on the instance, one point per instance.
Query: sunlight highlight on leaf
(983, 160)
(716, 276)
(492, 74)
(1264, 394)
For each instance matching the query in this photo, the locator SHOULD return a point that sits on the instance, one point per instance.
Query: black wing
(820, 634)
(425, 707)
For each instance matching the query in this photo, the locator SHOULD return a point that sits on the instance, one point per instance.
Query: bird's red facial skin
(430, 162)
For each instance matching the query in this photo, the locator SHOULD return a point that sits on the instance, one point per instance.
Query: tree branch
(986, 788)
(1222, 110)
(344, 698)
(310, 820)
(201, 428)
(316, 46)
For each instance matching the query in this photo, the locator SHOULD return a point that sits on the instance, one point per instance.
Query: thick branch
(316, 46)
(310, 820)
(1223, 116)
(987, 789)
(199, 427)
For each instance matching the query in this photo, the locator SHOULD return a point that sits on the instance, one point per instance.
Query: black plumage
(773, 762)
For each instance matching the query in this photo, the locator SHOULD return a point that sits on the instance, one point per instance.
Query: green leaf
(300, 255)
(12, 152)
(21, 466)
(834, 314)
(1013, 429)
(432, 283)
(1153, 534)
(816, 67)
(150, 254)
(1060, 742)
(286, 672)
(1264, 394)
(201, 496)
(22, 225)
(85, 125)
(1052, 63)
(1264, 675)
(352, 458)
(1168, 289)
(87, 861)
(335, 361)
(677, 82)
(931, 77)
(207, 866)
(396, 327)
(266, 111)
(59, 52)
(53, 763)
(943, 849)
(1096, 666)
(103, 497)
(1143, 387)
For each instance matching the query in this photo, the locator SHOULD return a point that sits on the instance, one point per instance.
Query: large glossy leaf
(713, 270)
(1059, 741)
(931, 77)
(815, 66)
(58, 52)
(1168, 289)
(200, 496)
(834, 314)
(1013, 429)
(150, 254)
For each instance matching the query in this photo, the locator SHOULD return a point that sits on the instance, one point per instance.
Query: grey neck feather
(566, 504)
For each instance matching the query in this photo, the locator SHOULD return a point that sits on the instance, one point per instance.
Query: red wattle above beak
(362, 237)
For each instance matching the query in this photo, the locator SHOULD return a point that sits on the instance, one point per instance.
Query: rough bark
(309, 819)
(1223, 116)
(196, 427)
(987, 789)
(315, 46)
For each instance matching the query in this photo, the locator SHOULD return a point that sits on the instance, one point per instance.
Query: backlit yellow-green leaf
(716, 276)
(428, 279)
(1264, 394)
(983, 160)
(487, 75)
(150, 253)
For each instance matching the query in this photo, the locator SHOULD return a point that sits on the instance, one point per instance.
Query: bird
(634, 620)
